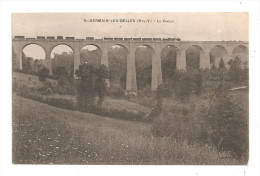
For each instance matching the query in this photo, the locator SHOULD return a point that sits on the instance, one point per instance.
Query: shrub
(183, 87)
(43, 73)
(145, 92)
(115, 92)
(235, 71)
(222, 64)
(65, 86)
(178, 108)
(245, 73)
(162, 125)
(15, 86)
(60, 72)
(213, 67)
(59, 102)
(227, 123)
(162, 92)
(100, 83)
(46, 89)
(206, 74)
(177, 127)
(120, 114)
(198, 81)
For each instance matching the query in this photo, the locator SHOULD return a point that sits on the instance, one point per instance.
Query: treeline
(185, 82)
(31, 65)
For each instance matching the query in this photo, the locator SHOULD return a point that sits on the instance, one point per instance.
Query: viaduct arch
(231, 49)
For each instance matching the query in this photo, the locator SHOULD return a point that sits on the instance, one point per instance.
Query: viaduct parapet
(130, 44)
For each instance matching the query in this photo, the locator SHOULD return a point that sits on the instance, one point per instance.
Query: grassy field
(109, 102)
(43, 134)
(29, 80)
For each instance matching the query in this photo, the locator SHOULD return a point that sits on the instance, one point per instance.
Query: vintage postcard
(130, 88)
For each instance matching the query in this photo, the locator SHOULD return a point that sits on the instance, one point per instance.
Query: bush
(145, 91)
(59, 102)
(183, 87)
(162, 92)
(197, 77)
(120, 114)
(46, 89)
(163, 125)
(206, 74)
(179, 128)
(227, 123)
(43, 73)
(235, 71)
(60, 72)
(221, 123)
(245, 74)
(222, 64)
(65, 86)
(115, 92)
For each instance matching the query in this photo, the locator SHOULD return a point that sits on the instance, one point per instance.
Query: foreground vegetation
(193, 112)
(69, 137)
(28, 86)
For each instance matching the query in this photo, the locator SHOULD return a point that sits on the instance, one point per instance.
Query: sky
(187, 26)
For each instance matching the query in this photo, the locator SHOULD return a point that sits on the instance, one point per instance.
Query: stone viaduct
(131, 44)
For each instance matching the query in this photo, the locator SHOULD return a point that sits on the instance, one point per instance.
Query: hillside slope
(44, 134)
(109, 102)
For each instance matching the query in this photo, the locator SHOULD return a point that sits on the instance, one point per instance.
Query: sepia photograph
(130, 88)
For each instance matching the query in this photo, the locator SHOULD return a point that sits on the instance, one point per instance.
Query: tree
(143, 67)
(43, 73)
(162, 92)
(183, 87)
(211, 58)
(193, 60)
(198, 81)
(246, 73)
(168, 64)
(36, 65)
(235, 70)
(27, 63)
(92, 57)
(100, 83)
(117, 67)
(14, 62)
(86, 88)
(65, 60)
(92, 83)
(60, 72)
(221, 64)
(213, 67)
(65, 84)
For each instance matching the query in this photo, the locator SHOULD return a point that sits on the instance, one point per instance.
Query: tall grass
(44, 134)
